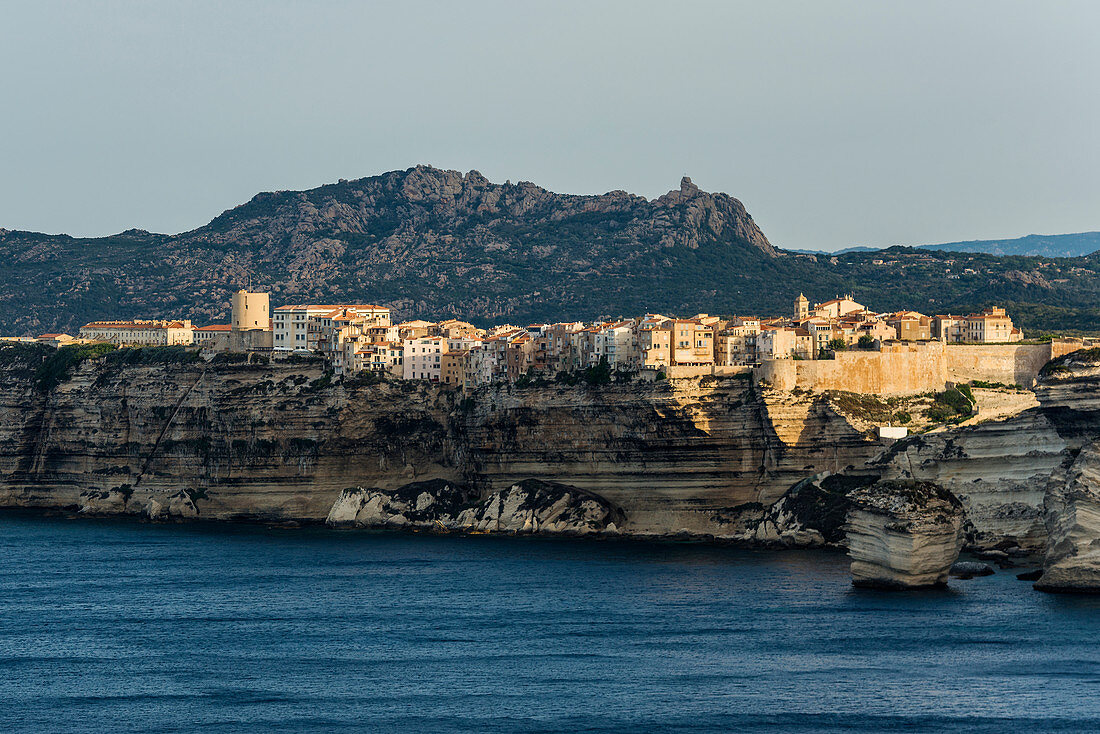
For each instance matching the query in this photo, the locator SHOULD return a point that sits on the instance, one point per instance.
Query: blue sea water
(119, 626)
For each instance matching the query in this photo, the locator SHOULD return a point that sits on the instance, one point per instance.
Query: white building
(139, 332)
(422, 358)
(292, 323)
(386, 357)
(619, 343)
(480, 367)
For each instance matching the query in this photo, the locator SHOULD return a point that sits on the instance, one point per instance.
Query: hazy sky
(836, 123)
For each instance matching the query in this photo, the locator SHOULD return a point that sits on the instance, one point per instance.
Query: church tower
(801, 308)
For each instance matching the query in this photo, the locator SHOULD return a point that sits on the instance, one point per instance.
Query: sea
(121, 626)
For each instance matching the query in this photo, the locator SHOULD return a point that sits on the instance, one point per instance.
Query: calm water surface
(112, 626)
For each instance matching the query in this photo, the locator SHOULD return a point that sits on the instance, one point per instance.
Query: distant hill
(1046, 245)
(432, 243)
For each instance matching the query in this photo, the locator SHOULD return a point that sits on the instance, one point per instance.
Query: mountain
(1046, 245)
(434, 243)
(426, 241)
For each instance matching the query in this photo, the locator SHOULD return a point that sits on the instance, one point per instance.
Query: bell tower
(801, 308)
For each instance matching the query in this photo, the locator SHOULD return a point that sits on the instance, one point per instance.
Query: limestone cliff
(997, 469)
(141, 434)
(1072, 505)
(1070, 395)
(277, 442)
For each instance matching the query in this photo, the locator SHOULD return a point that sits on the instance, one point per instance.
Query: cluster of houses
(358, 337)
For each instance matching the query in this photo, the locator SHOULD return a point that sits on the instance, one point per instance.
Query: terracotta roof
(134, 325)
(331, 306)
(215, 327)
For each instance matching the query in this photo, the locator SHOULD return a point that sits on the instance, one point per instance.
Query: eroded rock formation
(1072, 505)
(903, 534)
(1070, 391)
(530, 506)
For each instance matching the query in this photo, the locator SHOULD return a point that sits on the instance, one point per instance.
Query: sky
(836, 123)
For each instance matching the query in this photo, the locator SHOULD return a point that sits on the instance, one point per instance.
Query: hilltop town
(355, 338)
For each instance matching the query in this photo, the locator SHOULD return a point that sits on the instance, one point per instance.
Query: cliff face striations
(1069, 391)
(164, 435)
(282, 442)
(903, 534)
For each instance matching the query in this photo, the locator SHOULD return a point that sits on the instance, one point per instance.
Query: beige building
(655, 341)
(910, 326)
(692, 342)
(423, 358)
(214, 337)
(837, 307)
(991, 326)
(785, 342)
(251, 325)
(139, 332)
(801, 308)
(415, 329)
(386, 357)
(250, 311)
(56, 340)
(452, 371)
(736, 342)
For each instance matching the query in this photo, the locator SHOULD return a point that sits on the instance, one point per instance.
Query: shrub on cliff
(23, 353)
(364, 378)
(598, 374)
(951, 405)
(176, 354)
(59, 366)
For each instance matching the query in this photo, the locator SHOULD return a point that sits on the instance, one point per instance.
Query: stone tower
(250, 311)
(801, 308)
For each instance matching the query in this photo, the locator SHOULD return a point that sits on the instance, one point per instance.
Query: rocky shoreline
(719, 461)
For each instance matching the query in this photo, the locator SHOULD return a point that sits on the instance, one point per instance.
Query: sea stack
(903, 534)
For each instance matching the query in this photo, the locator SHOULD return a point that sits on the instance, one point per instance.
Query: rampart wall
(908, 368)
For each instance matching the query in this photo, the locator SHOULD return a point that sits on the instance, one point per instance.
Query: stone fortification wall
(912, 368)
(897, 370)
(685, 371)
(1007, 363)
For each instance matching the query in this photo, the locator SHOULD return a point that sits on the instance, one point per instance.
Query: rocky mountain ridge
(434, 243)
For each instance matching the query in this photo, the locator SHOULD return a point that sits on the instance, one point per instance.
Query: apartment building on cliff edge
(140, 332)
